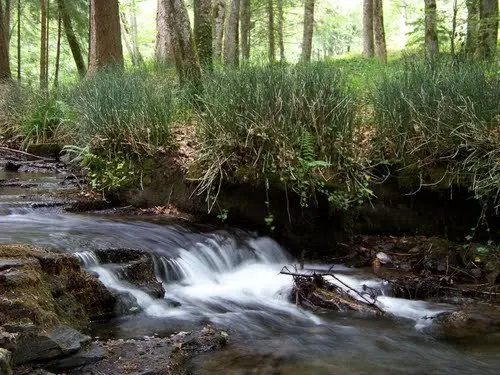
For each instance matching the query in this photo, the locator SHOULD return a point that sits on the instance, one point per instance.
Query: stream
(230, 279)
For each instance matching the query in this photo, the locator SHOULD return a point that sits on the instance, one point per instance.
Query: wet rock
(46, 150)
(11, 166)
(479, 322)
(33, 344)
(5, 362)
(137, 268)
(91, 355)
(383, 258)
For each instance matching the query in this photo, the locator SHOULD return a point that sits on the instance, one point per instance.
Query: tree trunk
(379, 31)
(43, 45)
(488, 28)
(136, 54)
(453, 31)
(472, 27)
(368, 41)
(281, 36)
(106, 44)
(231, 52)
(203, 31)
(74, 46)
(246, 17)
(308, 30)
(431, 37)
(4, 54)
(58, 51)
(7, 12)
(271, 52)
(219, 18)
(19, 40)
(125, 32)
(164, 50)
(186, 61)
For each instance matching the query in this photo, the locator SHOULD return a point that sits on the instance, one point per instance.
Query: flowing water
(231, 279)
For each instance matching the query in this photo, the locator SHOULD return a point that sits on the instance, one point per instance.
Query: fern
(307, 147)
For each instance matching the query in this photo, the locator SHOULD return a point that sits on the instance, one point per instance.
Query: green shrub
(290, 126)
(441, 116)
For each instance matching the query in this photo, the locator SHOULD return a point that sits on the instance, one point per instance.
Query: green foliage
(432, 115)
(292, 125)
(123, 112)
(39, 116)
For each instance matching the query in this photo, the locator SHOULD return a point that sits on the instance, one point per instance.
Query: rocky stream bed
(87, 288)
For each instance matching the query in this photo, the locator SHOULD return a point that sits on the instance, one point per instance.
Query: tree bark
(488, 28)
(404, 23)
(4, 55)
(472, 27)
(186, 60)
(271, 51)
(58, 51)
(203, 31)
(368, 41)
(219, 18)
(19, 40)
(106, 44)
(74, 46)
(164, 50)
(246, 17)
(7, 13)
(431, 36)
(379, 31)
(231, 50)
(43, 45)
(136, 53)
(281, 36)
(308, 30)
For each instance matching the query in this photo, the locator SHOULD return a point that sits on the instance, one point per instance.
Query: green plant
(290, 125)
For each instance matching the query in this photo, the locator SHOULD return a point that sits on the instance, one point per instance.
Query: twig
(25, 153)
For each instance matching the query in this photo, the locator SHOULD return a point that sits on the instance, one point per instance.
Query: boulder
(136, 267)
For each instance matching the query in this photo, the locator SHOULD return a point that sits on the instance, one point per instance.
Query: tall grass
(429, 116)
(123, 112)
(290, 125)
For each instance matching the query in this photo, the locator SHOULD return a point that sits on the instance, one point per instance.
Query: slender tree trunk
(488, 28)
(186, 60)
(379, 31)
(231, 52)
(19, 40)
(164, 50)
(245, 25)
(219, 19)
(271, 52)
(368, 41)
(281, 36)
(308, 30)
(125, 32)
(74, 46)
(58, 51)
(431, 37)
(453, 31)
(106, 44)
(404, 23)
(203, 31)
(136, 53)
(472, 27)
(43, 45)
(7, 14)
(4, 54)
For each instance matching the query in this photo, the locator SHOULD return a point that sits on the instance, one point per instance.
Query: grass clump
(290, 126)
(443, 117)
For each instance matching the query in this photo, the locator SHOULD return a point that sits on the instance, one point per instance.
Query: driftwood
(313, 291)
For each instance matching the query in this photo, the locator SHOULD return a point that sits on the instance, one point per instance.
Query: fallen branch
(26, 154)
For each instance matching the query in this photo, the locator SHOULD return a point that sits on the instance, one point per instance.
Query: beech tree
(488, 28)
(308, 30)
(164, 50)
(4, 49)
(379, 31)
(472, 26)
(231, 50)
(368, 41)
(431, 36)
(219, 18)
(105, 36)
(203, 31)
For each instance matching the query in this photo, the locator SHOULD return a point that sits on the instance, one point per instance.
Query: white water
(218, 277)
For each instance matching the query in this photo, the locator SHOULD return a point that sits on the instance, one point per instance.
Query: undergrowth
(290, 126)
